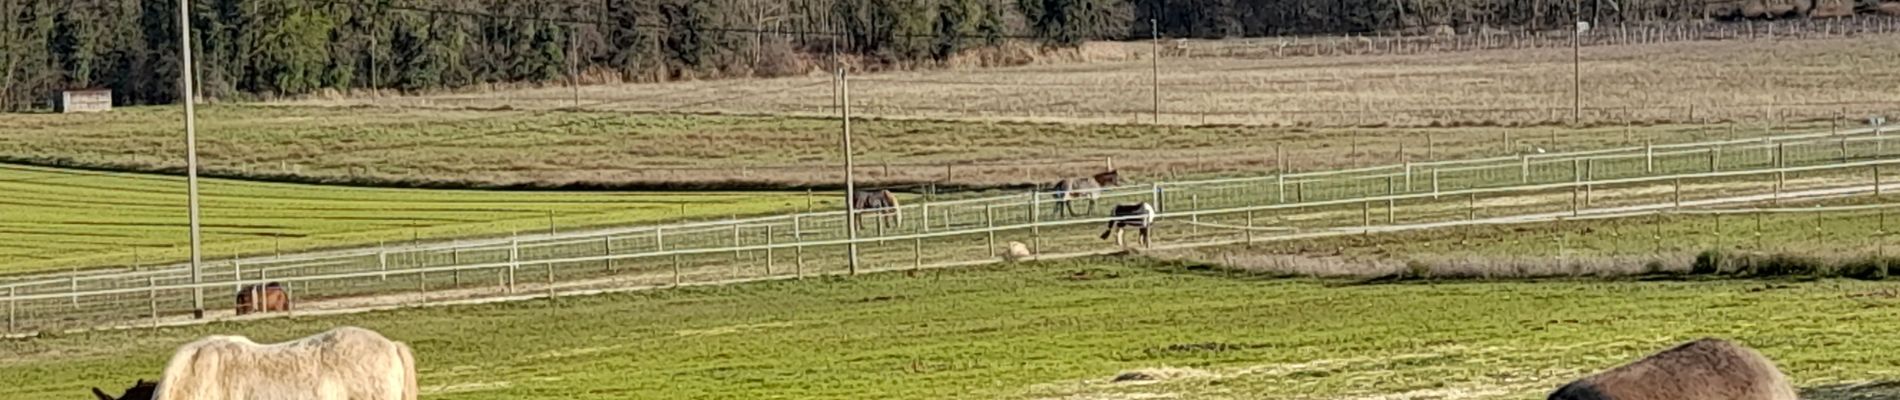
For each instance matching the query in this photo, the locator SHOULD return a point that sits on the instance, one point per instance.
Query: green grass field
(1060, 331)
(56, 219)
(553, 148)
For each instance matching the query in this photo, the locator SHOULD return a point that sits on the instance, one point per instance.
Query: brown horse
(268, 298)
(1706, 369)
(881, 202)
(141, 391)
(1089, 188)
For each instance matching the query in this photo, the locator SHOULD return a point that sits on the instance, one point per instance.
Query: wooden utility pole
(191, 156)
(1154, 27)
(850, 184)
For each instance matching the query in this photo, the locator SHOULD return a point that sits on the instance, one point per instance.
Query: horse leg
(1144, 238)
(1118, 238)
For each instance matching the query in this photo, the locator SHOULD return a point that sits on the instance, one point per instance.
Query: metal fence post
(917, 252)
(736, 255)
(1035, 223)
(989, 219)
(1715, 159)
(768, 249)
(73, 288)
(1843, 150)
(151, 298)
(925, 223)
(1249, 231)
(550, 280)
(659, 243)
(1408, 177)
(798, 249)
(1876, 180)
(1524, 165)
(1194, 204)
(12, 309)
(1471, 207)
(1434, 183)
(382, 263)
(455, 258)
(1280, 180)
(1649, 157)
(1678, 195)
(1365, 214)
(607, 250)
(514, 262)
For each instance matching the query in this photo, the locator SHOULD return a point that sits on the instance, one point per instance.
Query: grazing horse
(141, 391)
(1090, 188)
(1706, 369)
(881, 202)
(1139, 215)
(270, 297)
(342, 364)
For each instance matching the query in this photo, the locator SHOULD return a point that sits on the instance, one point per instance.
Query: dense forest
(252, 48)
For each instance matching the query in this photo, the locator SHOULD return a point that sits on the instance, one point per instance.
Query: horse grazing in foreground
(266, 298)
(1139, 215)
(881, 202)
(1068, 190)
(342, 364)
(140, 391)
(1706, 369)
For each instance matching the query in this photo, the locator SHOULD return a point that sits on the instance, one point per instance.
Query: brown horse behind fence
(267, 298)
(881, 202)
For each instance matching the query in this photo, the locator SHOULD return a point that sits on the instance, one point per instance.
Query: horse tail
(897, 209)
(409, 389)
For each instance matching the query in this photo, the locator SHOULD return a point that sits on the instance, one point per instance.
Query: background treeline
(255, 48)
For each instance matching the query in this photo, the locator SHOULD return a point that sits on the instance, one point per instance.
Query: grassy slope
(392, 145)
(58, 219)
(1032, 331)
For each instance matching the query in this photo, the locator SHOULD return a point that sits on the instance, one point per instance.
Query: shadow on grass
(1854, 391)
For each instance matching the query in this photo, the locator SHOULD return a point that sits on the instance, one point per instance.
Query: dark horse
(141, 391)
(1068, 190)
(1139, 215)
(881, 202)
(269, 297)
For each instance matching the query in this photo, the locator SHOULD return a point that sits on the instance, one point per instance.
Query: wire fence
(971, 231)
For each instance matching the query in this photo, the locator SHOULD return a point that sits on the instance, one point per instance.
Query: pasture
(1752, 79)
(59, 219)
(1060, 330)
(465, 148)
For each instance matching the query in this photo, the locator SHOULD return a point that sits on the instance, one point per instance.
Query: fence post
(735, 244)
(1408, 177)
(1678, 195)
(1876, 180)
(917, 253)
(1524, 165)
(151, 298)
(1471, 207)
(1249, 231)
(1035, 223)
(1194, 203)
(382, 263)
(1715, 159)
(12, 307)
(768, 249)
(989, 220)
(1279, 179)
(1843, 150)
(798, 249)
(607, 250)
(455, 258)
(73, 288)
(926, 221)
(1434, 183)
(1589, 176)
(514, 261)
(1649, 157)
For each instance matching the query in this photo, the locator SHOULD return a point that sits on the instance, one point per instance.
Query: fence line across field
(1405, 170)
(514, 265)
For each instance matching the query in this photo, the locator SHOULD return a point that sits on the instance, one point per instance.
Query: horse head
(1108, 179)
(141, 391)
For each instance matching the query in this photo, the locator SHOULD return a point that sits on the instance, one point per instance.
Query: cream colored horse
(342, 364)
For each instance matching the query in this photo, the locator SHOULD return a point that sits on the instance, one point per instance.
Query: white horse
(342, 364)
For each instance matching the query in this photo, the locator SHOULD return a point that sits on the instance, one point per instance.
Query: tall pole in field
(1576, 67)
(850, 183)
(191, 154)
(1154, 27)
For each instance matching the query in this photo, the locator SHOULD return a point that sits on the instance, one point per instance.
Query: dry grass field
(467, 148)
(1758, 80)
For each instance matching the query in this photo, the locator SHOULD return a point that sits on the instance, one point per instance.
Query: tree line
(256, 48)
